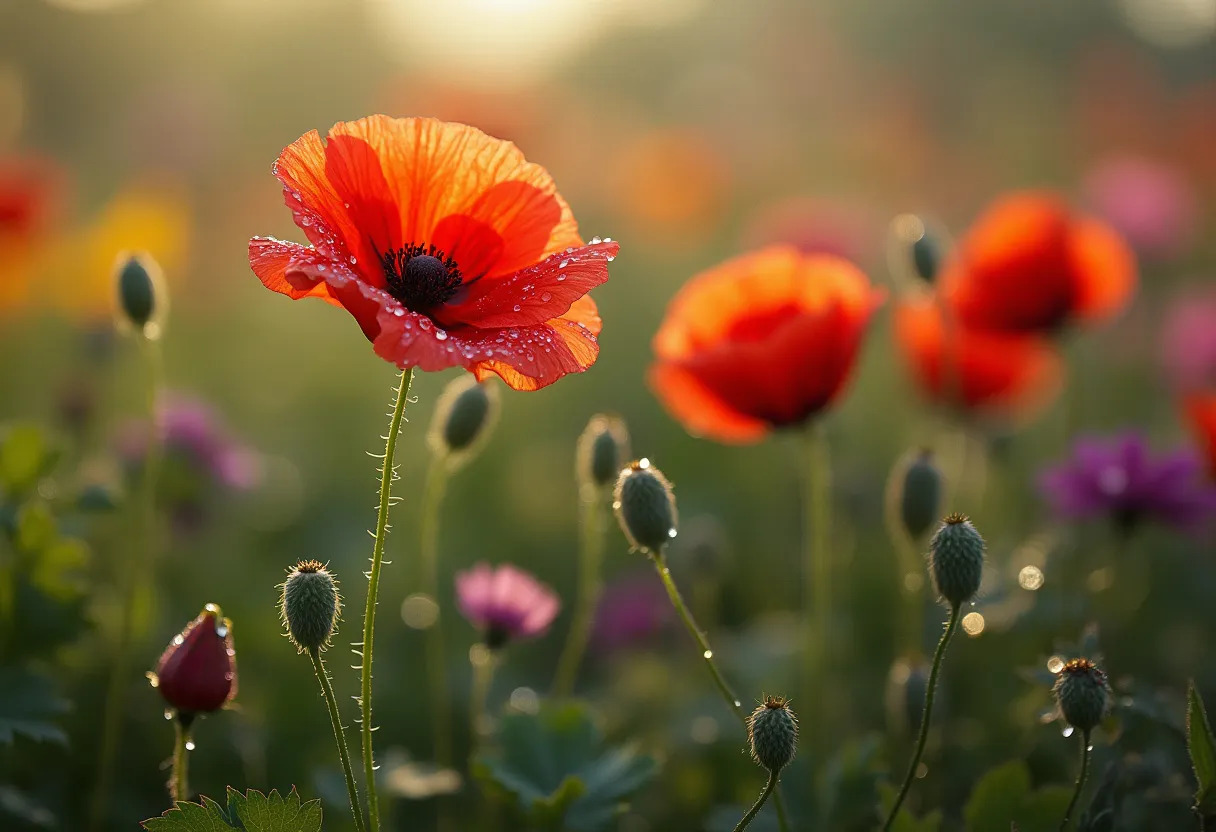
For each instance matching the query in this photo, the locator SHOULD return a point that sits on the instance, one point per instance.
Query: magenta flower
(631, 610)
(1120, 478)
(1149, 203)
(506, 603)
(1188, 343)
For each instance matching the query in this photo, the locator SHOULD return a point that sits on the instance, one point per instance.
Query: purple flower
(631, 610)
(506, 603)
(1188, 344)
(1120, 478)
(1147, 202)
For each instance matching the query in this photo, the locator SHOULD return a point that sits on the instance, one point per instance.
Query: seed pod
(1082, 693)
(772, 732)
(926, 257)
(603, 448)
(136, 287)
(310, 605)
(197, 671)
(645, 506)
(920, 494)
(956, 559)
(464, 417)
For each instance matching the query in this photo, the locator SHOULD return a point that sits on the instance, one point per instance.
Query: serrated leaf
(28, 704)
(554, 765)
(1202, 746)
(25, 455)
(272, 812)
(191, 817)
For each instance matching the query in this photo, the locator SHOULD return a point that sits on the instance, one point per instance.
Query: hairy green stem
(134, 580)
(1086, 750)
(179, 778)
(923, 735)
(387, 475)
(817, 570)
(751, 813)
(436, 666)
(591, 554)
(327, 690)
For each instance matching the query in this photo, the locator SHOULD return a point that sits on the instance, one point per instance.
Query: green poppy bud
(956, 559)
(1082, 693)
(645, 506)
(603, 448)
(772, 732)
(920, 494)
(136, 286)
(464, 416)
(310, 605)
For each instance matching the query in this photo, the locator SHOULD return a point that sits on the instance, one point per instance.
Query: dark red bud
(197, 671)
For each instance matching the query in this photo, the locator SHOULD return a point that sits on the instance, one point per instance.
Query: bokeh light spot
(1031, 577)
(419, 611)
(973, 623)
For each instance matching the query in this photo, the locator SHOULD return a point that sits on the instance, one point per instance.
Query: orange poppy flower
(765, 340)
(1029, 264)
(446, 245)
(975, 370)
(1201, 413)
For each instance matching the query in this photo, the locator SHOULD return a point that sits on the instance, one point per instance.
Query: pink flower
(505, 603)
(1188, 342)
(1147, 202)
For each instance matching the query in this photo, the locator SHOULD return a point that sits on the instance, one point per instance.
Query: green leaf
(36, 528)
(1203, 751)
(250, 812)
(28, 703)
(25, 456)
(904, 821)
(555, 766)
(996, 798)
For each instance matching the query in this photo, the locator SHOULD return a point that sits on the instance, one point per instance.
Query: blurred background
(690, 131)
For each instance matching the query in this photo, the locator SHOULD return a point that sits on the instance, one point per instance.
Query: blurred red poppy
(984, 372)
(446, 245)
(1201, 413)
(762, 341)
(31, 190)
(1029, 264)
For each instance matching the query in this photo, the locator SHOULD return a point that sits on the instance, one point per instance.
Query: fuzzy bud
(956, 559)
(310, 605)
(920, 494)
(603, 448)
(197, 671)
(135, 283)
(772, 732)
(1082, 693)
(464, 416)
(645, 506)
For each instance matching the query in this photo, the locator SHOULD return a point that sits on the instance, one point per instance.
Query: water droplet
(353, 259)
(517, 307)
(399, 312)
(738, 704)
(643, 463)
(1067, 731)
(595, 241)
(560, 278)
(424, 323)
(609, 240)
(345, 204)
(189, 745)
(168, 713)
(709, 654)
(1089, 747)
(611, 257)
(305, 221)
(441, 335)
(178, 639)
(545, 297)
(563, 265)
(672, 532)
(221, 631)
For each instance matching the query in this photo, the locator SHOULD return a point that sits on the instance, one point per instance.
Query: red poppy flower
(30, 195)
(762, 341)
(1029, 264)
(1201, 413)
(972, 369)
(446, 245)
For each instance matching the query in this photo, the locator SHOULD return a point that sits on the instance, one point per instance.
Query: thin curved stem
(436, 666)
(751, 813)
(387, 475)
(179, 779)
(327, 690)
(923, 735)
(591, 554)
(817, 568)
(483, 678)
(134, 579)
(1086, 750)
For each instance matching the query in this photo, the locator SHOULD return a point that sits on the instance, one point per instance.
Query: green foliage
(28, 706)
(555, 768)
(251, 812)
(905, 821)
(1202, 746)
(26, 455)
(1003, 796)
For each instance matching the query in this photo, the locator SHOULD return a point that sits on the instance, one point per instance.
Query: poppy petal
(270, 258)
(533, 295)
(315, 205)
(1106, 270)
(1200, 411)
(353, 169)
(698, 408)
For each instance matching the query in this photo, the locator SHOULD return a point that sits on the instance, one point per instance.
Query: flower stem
(327, 690)
(591, 553)
(179, 780)
(1086, 750)
(134, 580)
(911, 570)
(923, 735)
(817, 568)
(436, 667)
(484, 663)
(751, 813)
(388, 473)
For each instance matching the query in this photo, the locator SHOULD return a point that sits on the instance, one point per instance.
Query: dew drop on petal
(563, 265)
(440, 335)
(546, 297)
(178, 639)
(517, 307)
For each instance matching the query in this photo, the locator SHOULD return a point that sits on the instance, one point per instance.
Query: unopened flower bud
(197, 671)
(917, 249)
(920, 494)
(645, 506)
(772, 732)
(956, 559)
(136, 286)
(464, 417)
(926, 257)
(1082, 693)
(603, 448)
(310, 605)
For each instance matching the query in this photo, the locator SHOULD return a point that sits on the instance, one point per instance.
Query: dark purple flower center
(421, 277)
(497, 637)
